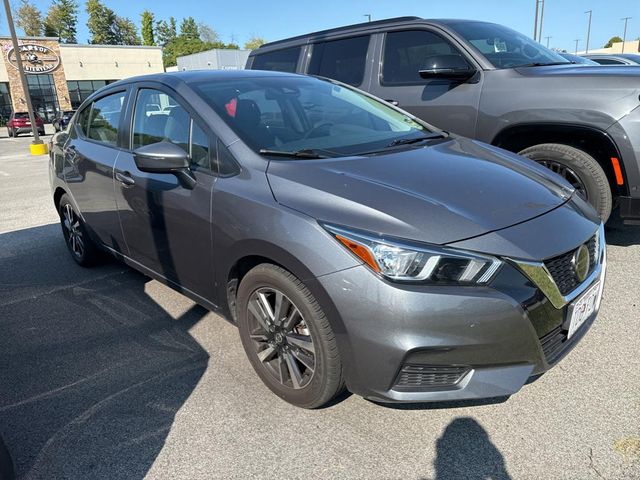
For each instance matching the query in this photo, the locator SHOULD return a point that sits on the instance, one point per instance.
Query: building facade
(60, 76)
(215, 59)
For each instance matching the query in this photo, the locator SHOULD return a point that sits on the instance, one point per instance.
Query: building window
(79, 90)
(43, 95)
(5, 103)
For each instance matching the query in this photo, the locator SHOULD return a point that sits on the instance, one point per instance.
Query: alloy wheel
(568, 174)
(281, 338)
(73, 232)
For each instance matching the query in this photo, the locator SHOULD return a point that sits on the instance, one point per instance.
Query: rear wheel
(580, 169)
(82, 248)
(11, 132)
(287, 337)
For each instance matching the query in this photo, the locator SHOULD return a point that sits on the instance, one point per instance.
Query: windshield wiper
(408, 141)
(541, 64)
(305, 153)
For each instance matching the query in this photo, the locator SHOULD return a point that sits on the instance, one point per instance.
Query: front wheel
(287, 337)
(578, 168)
(82, 248)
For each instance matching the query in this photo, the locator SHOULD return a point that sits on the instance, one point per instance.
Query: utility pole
(368, 15)
(23, 78)
(624, 35)
(590, 12)
(548, 40)
(535, 22)
(577, 40)
(541, 18)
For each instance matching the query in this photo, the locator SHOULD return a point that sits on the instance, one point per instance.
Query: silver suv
(491, 83)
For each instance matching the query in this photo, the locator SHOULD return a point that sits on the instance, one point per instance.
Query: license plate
(583, 308)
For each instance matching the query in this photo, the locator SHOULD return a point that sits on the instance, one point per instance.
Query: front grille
(562, 270)
(425, 377)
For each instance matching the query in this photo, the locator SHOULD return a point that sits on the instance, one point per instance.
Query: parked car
(488, 82)
(352, 243)
(61, 120)
(614, 58)
(19, 123)
(577, 59)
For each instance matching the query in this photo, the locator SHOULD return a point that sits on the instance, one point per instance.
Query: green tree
(101, 23)
(230, 46)
(61, 20)
(254, 42)
(29, 19)
(126, 32)
(189, 29)
(166, 31)
(207, 33)
(612, 40)
(147, 28)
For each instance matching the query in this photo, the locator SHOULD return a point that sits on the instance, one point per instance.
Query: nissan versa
(353, 245)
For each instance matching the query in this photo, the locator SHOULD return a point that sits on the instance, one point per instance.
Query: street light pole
(590, 12)
(541, 18)
(624, 35)
(548, 40)
(535, 22)
(577, 40)
(23, 77)
(368, 15)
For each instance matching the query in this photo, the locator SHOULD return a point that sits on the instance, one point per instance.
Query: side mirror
(447, 67)
(165, 157)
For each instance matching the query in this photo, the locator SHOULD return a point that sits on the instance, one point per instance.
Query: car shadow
(92, 369)
(465, 451)
(619, 234)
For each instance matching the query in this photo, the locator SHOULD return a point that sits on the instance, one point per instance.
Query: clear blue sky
(564, 20)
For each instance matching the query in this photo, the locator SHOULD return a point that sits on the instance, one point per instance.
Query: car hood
(445, 192)
(575, 70)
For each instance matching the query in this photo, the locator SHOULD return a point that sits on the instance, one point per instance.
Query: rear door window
(280, 60)
(343, 60)
(105, 117)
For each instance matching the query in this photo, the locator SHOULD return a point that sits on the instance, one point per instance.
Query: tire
(82, 248)
(319, 374)
(570, 163)
(9, 132)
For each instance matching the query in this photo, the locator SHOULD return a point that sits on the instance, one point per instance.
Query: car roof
(192, 76)
(361, 27)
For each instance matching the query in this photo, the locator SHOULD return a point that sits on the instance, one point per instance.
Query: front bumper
(630, 210)
(411, 343)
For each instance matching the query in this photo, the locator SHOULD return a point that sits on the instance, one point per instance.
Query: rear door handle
(125, 178)
(392, 102)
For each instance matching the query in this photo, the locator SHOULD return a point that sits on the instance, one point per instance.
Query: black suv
(491, 83)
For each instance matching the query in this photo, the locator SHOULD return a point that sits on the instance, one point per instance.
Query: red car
(19, 123)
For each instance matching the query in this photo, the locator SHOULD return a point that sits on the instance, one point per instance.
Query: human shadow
(465, 451)
(92, 369)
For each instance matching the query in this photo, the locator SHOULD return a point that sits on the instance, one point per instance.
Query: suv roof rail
(339, 29)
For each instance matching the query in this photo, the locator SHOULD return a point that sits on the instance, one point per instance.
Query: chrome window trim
(540, 276)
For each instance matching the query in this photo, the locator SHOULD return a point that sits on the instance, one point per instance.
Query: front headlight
(402, 262)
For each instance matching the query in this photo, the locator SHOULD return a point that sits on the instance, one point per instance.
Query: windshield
(290, 114)
(505, 48)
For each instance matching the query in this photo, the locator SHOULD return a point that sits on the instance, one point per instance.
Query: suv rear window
(343, 60)
(281, 60)
(21, 115)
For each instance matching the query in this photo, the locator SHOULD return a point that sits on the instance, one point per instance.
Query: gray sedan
(353, 244)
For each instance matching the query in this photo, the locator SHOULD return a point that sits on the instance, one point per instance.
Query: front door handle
(395, 103)
(125, 179)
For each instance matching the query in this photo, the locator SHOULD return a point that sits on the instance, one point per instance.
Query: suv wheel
(10, 132)
(580, 169)
(287, 337)
(82, 248)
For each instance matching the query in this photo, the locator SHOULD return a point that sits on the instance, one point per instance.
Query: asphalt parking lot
(105, 373)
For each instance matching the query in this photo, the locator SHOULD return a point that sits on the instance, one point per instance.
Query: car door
(167, 226)
(89, 158)
(448, 103)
